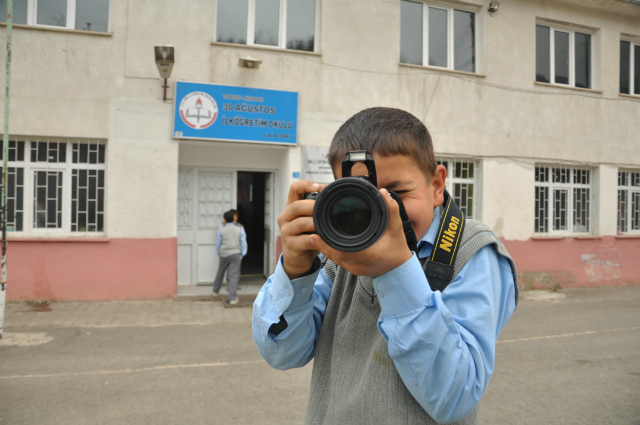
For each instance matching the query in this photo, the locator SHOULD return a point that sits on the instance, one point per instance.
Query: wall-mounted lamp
(249, 63)
(494, 6)
(164, 61)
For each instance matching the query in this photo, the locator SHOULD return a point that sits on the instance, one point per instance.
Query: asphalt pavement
(569, 357)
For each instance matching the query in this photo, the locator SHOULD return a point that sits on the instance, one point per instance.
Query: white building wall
(107, 86)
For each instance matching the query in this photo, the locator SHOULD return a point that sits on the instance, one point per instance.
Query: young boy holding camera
(387, 347)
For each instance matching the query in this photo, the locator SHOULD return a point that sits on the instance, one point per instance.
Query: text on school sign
(238, 114)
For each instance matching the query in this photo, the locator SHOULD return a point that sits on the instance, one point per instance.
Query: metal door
(203, 197)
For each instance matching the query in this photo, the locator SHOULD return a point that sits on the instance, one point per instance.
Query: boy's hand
(388, 253)
(296, 220)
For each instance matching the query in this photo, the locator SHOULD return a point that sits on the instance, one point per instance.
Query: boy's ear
(437, 184)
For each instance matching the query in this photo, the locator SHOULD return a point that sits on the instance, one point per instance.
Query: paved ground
(565, 358)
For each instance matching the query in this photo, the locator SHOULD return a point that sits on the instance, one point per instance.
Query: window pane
(301, 24)
(92, 15)
(411, 32)
(47, 191)
(622, 210)
(52, 12)
(231, 25)
(541, 221)
(562, 57)
(581, 210)
(559, 210)
(15, 186)
(267, 22)
(463, 197)
(636, 69)
(583, 60)
(543, 54)
(625, 67)
(464, 41)
(635, 211)
(438, 23)
(19, 11)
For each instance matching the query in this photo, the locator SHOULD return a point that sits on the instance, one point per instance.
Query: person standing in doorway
(231, 245)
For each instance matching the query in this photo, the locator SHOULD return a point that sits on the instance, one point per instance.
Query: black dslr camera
(350, 214)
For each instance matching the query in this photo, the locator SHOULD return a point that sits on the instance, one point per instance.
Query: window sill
(560, 86)
(548, 238)
(54, 29)
(447, 70)
(265, 48)
(557, 238)
(630, 96)
(627, 236)
(60, 239)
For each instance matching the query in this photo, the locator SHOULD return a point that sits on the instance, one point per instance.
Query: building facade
(533, 107)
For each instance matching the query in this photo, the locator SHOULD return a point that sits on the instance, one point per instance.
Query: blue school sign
(238, 114)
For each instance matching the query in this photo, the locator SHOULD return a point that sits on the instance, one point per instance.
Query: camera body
(350, 214)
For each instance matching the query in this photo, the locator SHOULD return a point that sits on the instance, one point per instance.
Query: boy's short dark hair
(228, 216)
(385, 131)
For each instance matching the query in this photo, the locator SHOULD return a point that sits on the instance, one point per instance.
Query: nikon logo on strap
(439, 268)
(449, 237)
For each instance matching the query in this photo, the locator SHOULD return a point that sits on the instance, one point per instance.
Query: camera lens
(350, 215)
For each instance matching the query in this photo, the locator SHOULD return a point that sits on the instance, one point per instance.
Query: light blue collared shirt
(443, 344)
(243, 240)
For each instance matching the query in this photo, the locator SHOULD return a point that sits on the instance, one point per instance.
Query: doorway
(204, 194)
(251, 214)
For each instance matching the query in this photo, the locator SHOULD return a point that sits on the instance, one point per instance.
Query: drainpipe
(5, 167)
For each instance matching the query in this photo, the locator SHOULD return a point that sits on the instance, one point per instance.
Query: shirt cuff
(403, 289)
(290, 294)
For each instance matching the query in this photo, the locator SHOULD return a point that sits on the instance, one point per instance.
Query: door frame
(234, 199)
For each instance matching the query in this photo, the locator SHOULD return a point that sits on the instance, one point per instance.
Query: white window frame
(282, 27)
(450, 8)
(28, 230)
(570, 212)
(630, 191)
(32, 15)
(632, 43)
(475, 180)
(571, 30)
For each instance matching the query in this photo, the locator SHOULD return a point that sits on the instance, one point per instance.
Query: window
(284, 24)
(563, 57)
(437, 36)
(88, 15)
(56, 186)
(628, 201)
(629, 67)
(563, 200)
(461, 184)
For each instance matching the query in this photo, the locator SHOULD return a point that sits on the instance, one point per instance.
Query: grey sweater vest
(230, 243)
(354, 380)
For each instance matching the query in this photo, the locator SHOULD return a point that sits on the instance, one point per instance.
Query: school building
(117, 184)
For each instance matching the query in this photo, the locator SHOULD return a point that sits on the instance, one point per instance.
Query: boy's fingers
(298, 190)
(298, 226)
(301, 243)
(302, 208)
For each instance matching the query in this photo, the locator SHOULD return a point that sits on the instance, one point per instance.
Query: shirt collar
(425, 244)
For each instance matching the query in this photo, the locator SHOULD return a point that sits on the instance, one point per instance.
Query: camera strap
(409, 233)
(439, 267)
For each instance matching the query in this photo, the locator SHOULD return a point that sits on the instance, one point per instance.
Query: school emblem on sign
(198, 110)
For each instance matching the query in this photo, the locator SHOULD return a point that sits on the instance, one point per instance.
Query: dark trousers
(231, 265)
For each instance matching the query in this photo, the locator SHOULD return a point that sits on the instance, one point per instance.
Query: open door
(203, 197)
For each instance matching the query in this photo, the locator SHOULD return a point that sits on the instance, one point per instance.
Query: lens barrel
(350, 214)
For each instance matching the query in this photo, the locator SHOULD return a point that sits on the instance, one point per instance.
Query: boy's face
(402, 175)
